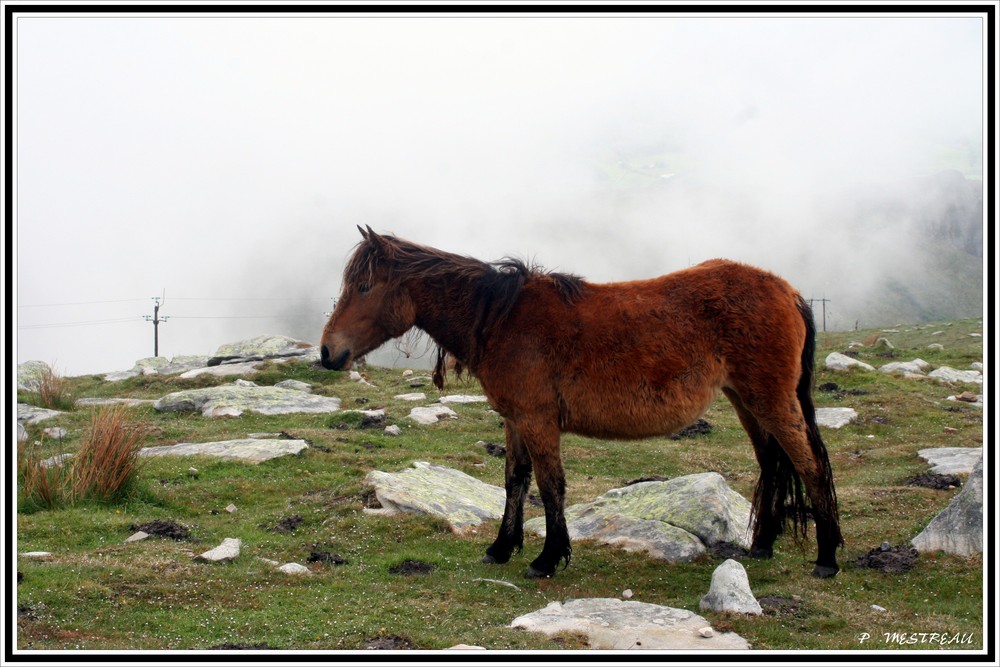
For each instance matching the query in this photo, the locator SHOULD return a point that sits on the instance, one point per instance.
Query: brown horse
(556, 354)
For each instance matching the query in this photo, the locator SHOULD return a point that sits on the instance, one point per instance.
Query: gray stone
(612, 624)
(835, 417)
(978, 403)
(55, 432)
(30, 373)
(835, 361)
(129, 402)
(417, 396)
(266, 346)
(432, 414)
(294, 568)
(22, 434)
(730, 590)
(230, 400)
(958, 529)
(294, 385)
(948, 374)
(392, 430)
(952, 460)
(883, 343)
(461, 399)
(460, 499)
(675, 520)
(30, 414)
(228, 551)
(916, 367)
(225, 370)
(137, 537)
(248, 450)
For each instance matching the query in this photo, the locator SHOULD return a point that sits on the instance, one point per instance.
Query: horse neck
(447, 311)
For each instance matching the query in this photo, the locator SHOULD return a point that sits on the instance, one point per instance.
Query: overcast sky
(223, 162)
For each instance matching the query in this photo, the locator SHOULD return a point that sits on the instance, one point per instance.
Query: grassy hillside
(97, 593)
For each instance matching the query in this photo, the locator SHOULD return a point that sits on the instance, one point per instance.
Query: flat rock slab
(958, 529)
(835, 417)
(265, 346)
(129, 402)
(243, 369)
(948, 374)
(622, 625)
(226, 552)
(432, 414)
(30, 414)
(952, 460)
(676, 520)
(232, 401)
(461, 500)
(462, 398)
(249, 450)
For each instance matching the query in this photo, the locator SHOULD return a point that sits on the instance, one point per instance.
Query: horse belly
(638, 412)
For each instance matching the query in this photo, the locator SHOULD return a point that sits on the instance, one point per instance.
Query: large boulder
(946, 374)
(461, 500)
(159, 366)
(30, 373)
(264, 347)
(613, 624)
(958, 529)
(676, 520)
(233, 400)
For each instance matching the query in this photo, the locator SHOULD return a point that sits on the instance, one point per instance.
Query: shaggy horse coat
(626, 360)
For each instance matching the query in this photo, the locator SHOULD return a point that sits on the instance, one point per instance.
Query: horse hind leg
(543, 446)
(768, 504)
(517, 478)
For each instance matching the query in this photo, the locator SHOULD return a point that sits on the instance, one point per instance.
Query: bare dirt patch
(409, 568)
(163, 528)
(888, 559)
(389, 643)
(931, 480)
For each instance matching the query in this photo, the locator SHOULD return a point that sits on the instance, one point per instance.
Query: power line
(76, 324)
(75, 303)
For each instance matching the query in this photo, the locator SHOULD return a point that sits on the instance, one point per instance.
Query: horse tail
(780, 493)
(804, 391)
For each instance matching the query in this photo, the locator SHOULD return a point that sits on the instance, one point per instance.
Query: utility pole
(156, 319)
(824, 301)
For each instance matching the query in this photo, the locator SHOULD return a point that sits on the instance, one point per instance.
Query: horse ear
(364, 234)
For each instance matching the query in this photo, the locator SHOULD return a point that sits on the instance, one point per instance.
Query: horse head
(374, 306)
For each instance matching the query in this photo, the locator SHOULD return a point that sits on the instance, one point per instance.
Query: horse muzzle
(331, 362)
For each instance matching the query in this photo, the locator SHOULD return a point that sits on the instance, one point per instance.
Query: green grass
(96, 593)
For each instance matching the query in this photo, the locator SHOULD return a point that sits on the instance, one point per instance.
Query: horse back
(645, 357)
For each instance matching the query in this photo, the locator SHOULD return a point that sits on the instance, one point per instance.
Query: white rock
(432, 414)
(609, 623)
(247, 450)
(294, 385)
(392, 430)
(407, 373)
(706, 632)
(224, 553)
(878, 608)
(917, 367)
(55, 432)
(465, 647)
(835, 417)
(416, 396)
(231, 508)
(835, 361)
(952, 460)
(462, 398)
(730, 590)
(627, 593)
(40, 555)
(294, 568)
(136, 537)
(948, 374)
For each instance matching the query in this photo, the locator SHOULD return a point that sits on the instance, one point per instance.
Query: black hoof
(825, 571)
(761, 553)
(534, 573)
(490, 560)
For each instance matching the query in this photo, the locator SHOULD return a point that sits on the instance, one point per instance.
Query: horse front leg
(517, 478)
(543, 447)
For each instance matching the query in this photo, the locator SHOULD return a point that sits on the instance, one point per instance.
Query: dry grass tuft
(104, 468)
(52, 390)
(108, 459)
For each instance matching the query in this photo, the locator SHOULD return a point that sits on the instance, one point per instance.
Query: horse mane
(497, 284)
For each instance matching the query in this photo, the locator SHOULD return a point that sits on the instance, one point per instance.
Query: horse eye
(364, 288)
